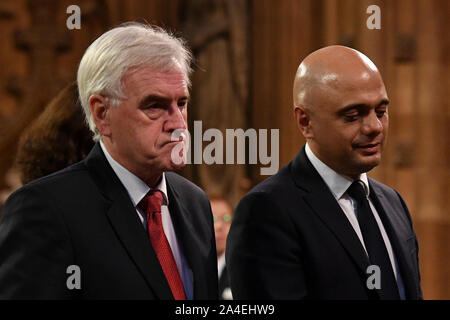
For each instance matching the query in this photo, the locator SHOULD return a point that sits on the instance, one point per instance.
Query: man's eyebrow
(156, 98)
(383, 102)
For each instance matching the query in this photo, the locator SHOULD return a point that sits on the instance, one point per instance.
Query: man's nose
(176, 119)
(372, 125)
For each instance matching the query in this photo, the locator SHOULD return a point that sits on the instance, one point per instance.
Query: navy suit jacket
(83, 216)
(291, 240)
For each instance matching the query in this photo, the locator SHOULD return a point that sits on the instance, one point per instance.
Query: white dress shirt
(220, 264)
(338, 185)
(137, 189)
(226, 294)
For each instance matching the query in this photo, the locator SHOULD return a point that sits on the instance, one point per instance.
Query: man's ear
(100, 113)
(303, 119)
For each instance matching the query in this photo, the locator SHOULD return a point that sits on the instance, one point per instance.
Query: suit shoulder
(63, 175)
(279, 183)
(64, 179)
(379, 184)
(184, 185)
(271, 192)
(386, 190)
(38, 199)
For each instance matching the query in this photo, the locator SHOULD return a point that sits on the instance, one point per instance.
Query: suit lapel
(132, 235)
(398, 236)
(126, 224)
(187, 239)
(325, 206)
(332, 215)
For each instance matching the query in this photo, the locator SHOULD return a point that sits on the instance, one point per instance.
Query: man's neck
(151, 177)
(352, 176)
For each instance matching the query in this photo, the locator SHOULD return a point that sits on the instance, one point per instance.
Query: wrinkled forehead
(148, 78)
(341, 91)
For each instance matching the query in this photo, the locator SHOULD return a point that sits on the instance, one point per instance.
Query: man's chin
(177, 159)
(368, 163)
(174, 166)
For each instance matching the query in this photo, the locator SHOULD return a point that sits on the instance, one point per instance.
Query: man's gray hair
(126, 47)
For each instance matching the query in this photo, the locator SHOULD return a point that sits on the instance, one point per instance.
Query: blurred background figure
(223, 214)
(58, 138)
(12, 179)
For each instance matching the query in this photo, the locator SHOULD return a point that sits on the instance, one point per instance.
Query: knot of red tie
(152, 202)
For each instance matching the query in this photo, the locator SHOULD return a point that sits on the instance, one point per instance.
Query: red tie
(151, 205)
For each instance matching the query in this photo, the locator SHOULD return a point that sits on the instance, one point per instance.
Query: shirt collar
(337, 183)
(136, 188)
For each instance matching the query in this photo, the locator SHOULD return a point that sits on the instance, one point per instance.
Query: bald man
(320, 228)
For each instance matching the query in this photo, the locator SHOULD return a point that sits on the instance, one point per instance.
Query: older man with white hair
(118, 225)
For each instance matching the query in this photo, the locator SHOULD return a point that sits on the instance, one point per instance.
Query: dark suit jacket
(83, 216)
(291, 240)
